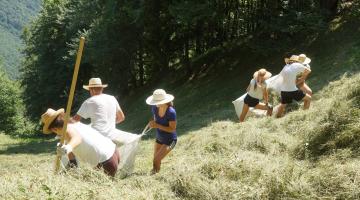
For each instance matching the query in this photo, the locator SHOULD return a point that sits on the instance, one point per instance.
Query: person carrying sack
(289, 91)
(257, 91)
(87, 144)
(165, 123)
(104, 112)
(300, 82)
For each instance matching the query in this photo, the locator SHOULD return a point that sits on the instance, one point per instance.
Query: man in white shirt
(289, 90)
(87, 144)
(103, 110)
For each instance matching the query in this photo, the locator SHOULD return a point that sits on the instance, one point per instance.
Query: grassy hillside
(311, 154)
(14, 15)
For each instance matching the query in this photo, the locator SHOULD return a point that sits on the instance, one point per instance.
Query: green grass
(311, 154)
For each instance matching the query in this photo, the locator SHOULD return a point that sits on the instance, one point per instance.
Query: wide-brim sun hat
(294, 58)
(262, 72)
(303, 59)
(159, 97)
(94, 82)
(48, 117)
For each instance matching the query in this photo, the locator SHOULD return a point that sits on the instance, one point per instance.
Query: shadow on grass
(38, 146)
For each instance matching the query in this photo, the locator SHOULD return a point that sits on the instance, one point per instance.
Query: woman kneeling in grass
(165, 124)
(255, 92)
(86, 143)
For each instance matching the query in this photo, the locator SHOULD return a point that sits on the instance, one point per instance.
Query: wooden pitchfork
(70, 100)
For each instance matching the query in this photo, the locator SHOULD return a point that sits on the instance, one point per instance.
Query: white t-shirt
(94, 147)
(101, 109)
(258, 92)
(289, 74)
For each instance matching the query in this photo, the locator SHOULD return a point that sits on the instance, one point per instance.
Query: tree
(11, 119)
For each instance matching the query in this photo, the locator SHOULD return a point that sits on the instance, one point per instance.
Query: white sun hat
(94, 82)
(159, 97)
(262, 72)
(303, 59)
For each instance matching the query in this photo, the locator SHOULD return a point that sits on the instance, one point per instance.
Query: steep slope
(311, 154)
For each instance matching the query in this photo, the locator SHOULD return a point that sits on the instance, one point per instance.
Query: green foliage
(12, 120)
(14, 15)
(133, 43)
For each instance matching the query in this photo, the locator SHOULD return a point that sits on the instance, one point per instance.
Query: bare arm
(73, 137)
(75, 119)
(169, 129)
(303, 77)
(120, 117)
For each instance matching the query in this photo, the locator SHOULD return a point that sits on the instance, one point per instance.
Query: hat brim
(150, 100)
(51, 119)
(266, 76)
(306, 61)
(87, 87)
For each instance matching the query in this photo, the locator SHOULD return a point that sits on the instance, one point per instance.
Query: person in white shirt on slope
(289, 90)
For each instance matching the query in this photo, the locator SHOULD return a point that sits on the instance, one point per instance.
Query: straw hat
(303, 59)
(159, 97)
(48, 117)
(300, 59)
(94, 82)
(262, 72)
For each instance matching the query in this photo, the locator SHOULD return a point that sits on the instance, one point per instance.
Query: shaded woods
(131, 43)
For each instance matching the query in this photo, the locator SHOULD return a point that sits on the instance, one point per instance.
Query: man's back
(101, 109)
(289, 74)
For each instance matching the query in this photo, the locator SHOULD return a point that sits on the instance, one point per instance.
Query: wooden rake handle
(70, 100)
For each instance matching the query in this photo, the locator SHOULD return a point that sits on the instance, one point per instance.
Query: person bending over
(87, 144)
(255, 92)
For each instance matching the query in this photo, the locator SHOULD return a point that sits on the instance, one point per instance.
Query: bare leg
(307, 100)
(262, 106)
(306, 89)
(280, 110)
(162, 152)
(157, 147)
(244, 112)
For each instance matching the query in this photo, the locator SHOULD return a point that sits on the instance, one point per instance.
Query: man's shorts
(251, 101)
(110, 166)
(170, 143)
(288, 97)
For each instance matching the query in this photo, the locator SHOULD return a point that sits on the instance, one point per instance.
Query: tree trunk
(141, 64)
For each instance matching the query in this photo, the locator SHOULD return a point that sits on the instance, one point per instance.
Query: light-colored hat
(294, 58)
(48, 117)
(300, 59)
(303, 59)
(94, 82)
(159, 97)
(262, 72)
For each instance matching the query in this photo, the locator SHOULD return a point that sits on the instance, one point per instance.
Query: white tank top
(258, 92)
(94, 147)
